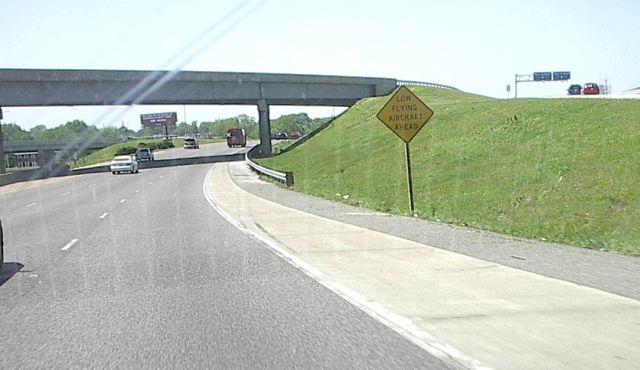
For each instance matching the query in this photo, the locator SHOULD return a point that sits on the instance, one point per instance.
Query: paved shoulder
(479, 312)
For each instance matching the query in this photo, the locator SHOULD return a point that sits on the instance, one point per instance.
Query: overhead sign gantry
(541, 77)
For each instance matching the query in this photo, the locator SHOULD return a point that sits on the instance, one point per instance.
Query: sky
(476, 46)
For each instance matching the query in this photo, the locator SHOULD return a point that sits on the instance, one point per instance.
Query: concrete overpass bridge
(48, 87)
(56, 145)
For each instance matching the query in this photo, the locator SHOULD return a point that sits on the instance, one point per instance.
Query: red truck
(236, 137)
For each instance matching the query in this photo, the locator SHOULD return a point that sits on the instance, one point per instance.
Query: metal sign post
(405, 114)
(407, 153)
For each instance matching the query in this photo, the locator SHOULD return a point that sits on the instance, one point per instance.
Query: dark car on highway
(144, 154)
(574, 89)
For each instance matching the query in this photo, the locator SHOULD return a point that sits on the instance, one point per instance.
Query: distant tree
(315, 123)
(125, 133)
(13, 132)
(153, 131)
(292, 122)
(184, 129)
(110, 133)
(219, 127)
(39, 132)
(250, 125)
(70, 130)
(206, 127)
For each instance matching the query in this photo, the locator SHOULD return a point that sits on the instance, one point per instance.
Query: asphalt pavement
(204, 150)
(140, 271)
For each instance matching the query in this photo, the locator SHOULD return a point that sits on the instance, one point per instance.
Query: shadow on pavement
(8, 270)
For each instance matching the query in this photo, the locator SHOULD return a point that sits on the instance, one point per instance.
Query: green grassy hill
(565, 170)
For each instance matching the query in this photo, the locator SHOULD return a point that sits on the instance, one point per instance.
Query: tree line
(300, 122)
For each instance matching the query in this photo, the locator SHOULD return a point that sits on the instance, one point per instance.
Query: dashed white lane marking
(66, 193)
(32, 204)
(69, 245)
(92, 185)
(104, 215)
(137, 190)
(123, 200)
(150, 182)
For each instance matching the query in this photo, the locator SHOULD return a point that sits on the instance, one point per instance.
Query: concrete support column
(265, 128)
(3, 168)
(41, 159)
(46, 158)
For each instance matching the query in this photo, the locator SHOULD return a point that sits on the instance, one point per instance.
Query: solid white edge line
(104, 215)
(397, 323)
(69, 244)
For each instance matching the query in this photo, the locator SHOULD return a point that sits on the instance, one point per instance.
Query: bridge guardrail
(422, 83)
(285, 177)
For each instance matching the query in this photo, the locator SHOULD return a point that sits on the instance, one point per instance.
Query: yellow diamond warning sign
(405, 114)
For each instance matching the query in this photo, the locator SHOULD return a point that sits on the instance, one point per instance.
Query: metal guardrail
(430, 84)
(285, 177)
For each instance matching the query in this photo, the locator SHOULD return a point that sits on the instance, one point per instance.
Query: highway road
(139, 271)
(203, 151)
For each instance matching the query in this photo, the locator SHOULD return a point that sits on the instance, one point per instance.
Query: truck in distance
(236, 137)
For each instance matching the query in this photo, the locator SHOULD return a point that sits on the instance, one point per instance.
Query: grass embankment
(564, 170)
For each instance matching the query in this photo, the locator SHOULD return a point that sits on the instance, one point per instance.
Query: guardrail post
(289, 179)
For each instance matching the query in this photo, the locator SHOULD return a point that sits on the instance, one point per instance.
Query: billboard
(158, 119)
